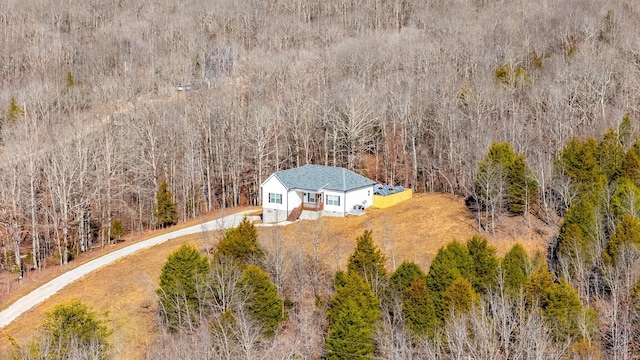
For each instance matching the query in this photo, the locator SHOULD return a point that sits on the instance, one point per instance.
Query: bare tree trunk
(16, 236)
(65, 233)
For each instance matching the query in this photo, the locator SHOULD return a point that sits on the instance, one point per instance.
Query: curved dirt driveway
(39, 295)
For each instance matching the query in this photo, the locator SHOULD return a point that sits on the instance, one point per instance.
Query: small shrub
(117, 230)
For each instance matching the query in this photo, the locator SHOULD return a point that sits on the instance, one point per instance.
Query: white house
(328, 190)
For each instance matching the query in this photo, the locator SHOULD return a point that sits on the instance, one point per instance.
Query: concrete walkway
(47, 290)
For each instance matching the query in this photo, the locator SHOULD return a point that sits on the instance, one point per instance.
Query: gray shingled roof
(317, 177)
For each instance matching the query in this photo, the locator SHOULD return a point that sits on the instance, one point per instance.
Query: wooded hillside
(102, 102)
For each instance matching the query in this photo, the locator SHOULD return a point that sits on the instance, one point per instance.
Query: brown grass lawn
(413, 230)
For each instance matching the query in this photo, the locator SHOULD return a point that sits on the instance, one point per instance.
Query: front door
(313, 198)
(313, 201)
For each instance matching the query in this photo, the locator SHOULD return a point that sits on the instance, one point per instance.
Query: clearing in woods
(413, 230)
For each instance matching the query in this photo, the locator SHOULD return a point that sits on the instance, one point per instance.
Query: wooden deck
(312, 206)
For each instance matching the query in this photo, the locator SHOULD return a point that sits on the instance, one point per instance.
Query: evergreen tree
(501, 153)
(515, 269)
(485, 264)
(540, 280)
(579, 161)
(582, 214)
(117, 230)
(631, 164)
(459, 297)
(627, 232)
(522, 186)
(450, 263)
(417, 309)
(71, 325)
(165, 212)
(519, 182)
(562, 308)
(625, 199)
(367, 260)
(492, 179)
(339, 280)
(610, 154)
(580, 233)
(353, 313)
(626, 132)
(588, 165)
(179, 303)
(264, 304)
(241, 244)
(405, 275)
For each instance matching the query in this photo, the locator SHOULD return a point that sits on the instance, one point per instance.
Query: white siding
(295, 200)
(356, 197)
(334, 209)
(273, 185)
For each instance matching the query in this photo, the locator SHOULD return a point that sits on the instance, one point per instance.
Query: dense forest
(524, 107)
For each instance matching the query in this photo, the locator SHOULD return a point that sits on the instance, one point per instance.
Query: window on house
(275, 198)
(333, 199)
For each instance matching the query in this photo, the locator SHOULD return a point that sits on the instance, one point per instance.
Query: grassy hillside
(413, 230)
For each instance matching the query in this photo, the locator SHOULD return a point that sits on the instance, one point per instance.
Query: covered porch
(312, 201)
